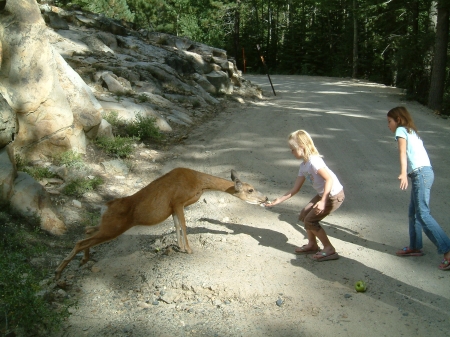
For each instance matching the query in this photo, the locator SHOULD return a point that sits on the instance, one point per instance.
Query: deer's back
(155, 202)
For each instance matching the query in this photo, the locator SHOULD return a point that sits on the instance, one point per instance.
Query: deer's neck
(217, 184)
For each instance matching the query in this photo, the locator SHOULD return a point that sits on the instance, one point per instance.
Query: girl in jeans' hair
(415, 164)
(330, 195)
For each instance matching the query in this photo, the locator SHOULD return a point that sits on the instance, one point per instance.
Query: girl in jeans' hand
(330, 195)
(415, 164)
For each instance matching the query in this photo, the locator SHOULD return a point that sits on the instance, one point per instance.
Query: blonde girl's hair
(302, 139)
(402, 117)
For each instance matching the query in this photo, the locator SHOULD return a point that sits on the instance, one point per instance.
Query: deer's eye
(250, 190)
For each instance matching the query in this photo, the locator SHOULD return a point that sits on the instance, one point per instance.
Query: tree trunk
(236, 33)
(355, 42)
(436, 94)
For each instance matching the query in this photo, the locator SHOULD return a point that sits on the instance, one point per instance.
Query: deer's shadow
(265, 237)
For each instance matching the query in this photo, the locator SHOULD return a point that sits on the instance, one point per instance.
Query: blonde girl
(330, 195)
(415, 164)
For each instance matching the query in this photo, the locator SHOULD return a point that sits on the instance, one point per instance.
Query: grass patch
(78, 186)
(22, 307)
(142, 98)
(144, 128)
(141, 128)
(37, 172)
(68, 158)
(113, 118)
(118, 146)
(118, 125)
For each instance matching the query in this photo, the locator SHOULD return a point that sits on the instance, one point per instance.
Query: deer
(165, 196)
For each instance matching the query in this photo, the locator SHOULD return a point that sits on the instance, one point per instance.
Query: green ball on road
(360, 286)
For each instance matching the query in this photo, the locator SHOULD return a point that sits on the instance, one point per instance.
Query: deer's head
(246, 192)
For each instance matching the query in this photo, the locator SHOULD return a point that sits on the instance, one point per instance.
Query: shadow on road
(265, 237)
(404, 297)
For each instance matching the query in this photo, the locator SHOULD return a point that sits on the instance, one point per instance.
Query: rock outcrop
(52, 104)
(61, 70)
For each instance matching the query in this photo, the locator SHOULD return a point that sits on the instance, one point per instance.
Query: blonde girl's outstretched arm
(403, 177)
(294, 190)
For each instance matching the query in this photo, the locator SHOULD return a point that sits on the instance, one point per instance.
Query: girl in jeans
(415, 164)
(330, 195)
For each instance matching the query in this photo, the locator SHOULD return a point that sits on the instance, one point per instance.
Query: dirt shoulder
(243, 278)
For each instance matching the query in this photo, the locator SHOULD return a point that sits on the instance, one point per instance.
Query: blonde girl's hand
(270, 203)
(319, 207)
(403, 181)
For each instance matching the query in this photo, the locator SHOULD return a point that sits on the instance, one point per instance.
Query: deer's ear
(237, 185)
(234, 175)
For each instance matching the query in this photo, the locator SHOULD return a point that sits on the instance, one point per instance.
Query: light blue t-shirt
(415, 151)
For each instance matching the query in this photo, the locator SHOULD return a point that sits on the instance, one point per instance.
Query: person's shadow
(405, 297)
(277, 240)
(334, 231)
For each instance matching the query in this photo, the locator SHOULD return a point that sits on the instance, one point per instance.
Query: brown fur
(165, 196)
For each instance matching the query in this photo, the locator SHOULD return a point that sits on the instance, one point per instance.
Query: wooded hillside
(402, 43)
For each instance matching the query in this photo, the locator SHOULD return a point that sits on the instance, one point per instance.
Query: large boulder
(26, 75)
(54, 107)
(86, 109)
(31, 199)
(220, 81)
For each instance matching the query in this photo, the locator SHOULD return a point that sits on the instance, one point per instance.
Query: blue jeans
(420, 217)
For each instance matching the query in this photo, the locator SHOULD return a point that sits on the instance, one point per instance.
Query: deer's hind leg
(90, 231)
(82, 245)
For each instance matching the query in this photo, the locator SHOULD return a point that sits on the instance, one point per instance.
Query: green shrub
(144, 128)
(68, 158)
(117, 146)
(77, 187)
(20, 306)
(20, 162)
(38, 173)
(113, 118)
(142, 98)
(196, 104)
(118, 124)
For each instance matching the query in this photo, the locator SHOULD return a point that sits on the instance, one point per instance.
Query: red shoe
(445, 264)
(409, 252)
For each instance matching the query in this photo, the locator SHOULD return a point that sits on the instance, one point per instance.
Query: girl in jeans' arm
(415, 164)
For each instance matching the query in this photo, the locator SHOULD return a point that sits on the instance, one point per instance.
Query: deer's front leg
(177, 231)
(180, 225)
